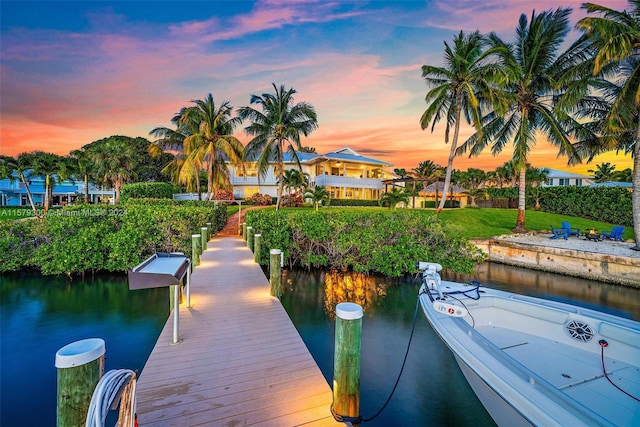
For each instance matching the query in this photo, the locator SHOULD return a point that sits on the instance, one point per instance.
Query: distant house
(344, 173)
(557, 178)
(14, 193)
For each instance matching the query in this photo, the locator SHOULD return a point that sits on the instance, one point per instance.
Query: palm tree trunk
(86, 188)
(520, 222)
(29, 196)
(47, 188)
(452, 154)
(635, 194)
(280, 174)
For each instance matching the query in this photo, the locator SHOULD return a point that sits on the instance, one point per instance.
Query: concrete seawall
(610, 262)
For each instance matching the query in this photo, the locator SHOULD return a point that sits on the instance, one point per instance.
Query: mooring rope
(404, 361)
(117, 384)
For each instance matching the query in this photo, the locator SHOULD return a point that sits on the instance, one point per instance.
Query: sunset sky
(77, 71)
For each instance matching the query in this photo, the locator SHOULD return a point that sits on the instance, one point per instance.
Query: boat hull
(538, 362)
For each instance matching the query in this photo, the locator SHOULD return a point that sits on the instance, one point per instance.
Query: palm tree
(535, 178)
(277, 129)
(184, 169)
(456, 89)
(473, 179)
(393, 197)
(113, 158)
(615, 37)
(603, 172)
(54, 168)
(83, 165)
(625, 175)
(532, 68)
(21, 166)
(318, 195)
(212, 141)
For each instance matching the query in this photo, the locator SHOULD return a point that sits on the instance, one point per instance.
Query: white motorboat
(537, 362)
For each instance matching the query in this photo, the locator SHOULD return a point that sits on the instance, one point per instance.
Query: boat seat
(544, 313)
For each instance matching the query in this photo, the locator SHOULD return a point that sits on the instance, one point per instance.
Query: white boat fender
(449, 309)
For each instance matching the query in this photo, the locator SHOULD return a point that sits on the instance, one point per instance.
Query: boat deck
(240, 360)
(576, 372)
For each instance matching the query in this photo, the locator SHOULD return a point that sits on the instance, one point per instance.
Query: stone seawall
(610, 262)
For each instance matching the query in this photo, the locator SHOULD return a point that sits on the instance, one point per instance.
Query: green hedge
(353, 202)
(607, 204)
(158, 190)
(81, 239)
(385, 242)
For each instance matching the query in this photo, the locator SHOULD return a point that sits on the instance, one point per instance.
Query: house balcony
(348, 182)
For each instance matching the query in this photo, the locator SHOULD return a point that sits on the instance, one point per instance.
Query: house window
(579, 182)
(249, 170)
(564, 181)
(550, 182)
(248, 192)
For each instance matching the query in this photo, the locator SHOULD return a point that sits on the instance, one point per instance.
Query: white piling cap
(349, 311)
(80, 353)
(196, 235)
(275, 251)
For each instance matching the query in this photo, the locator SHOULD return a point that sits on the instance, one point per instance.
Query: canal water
(39, 315)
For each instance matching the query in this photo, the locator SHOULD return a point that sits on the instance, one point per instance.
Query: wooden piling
(244, 231)
(346, 369)
(80, 367)
(195, 249)
(256, 247)
(250, 237)
(275, 259)
(210, 232)
(205, 239)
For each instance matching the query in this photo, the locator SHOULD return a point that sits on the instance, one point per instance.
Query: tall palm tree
(615, 39)
(533, 65)
(456, 90)
(83, 165)
(213, 142)
(276, 129)
(184, 169)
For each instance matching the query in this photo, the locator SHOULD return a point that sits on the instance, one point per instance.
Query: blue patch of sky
(74, 15)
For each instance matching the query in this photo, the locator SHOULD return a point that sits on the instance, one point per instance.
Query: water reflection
(432, 386)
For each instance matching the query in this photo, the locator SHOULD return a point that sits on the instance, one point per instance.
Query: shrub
(386, 242)
(261, 199)
(89, 238)
(223, 195)
(291, 201)
(157, 190)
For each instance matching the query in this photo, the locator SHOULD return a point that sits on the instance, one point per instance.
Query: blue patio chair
(570, 231)
(614, 234)
(558, 232)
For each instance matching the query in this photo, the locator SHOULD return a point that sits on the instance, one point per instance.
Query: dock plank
(240, 360)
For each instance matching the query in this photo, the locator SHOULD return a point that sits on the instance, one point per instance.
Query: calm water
(38, 316)
(432, 390)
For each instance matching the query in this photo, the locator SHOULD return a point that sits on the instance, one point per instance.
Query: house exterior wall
(557, 178)
(344, 174)
(14, 193)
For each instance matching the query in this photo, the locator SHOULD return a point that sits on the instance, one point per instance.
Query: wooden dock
(240, 361)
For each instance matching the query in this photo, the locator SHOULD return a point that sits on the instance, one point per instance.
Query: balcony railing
(348, 182)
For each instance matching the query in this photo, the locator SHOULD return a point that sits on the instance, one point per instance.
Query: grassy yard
(486, 223)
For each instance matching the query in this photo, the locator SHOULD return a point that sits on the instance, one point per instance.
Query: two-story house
(344, 173)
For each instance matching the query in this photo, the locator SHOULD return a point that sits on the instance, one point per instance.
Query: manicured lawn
(485, 223)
